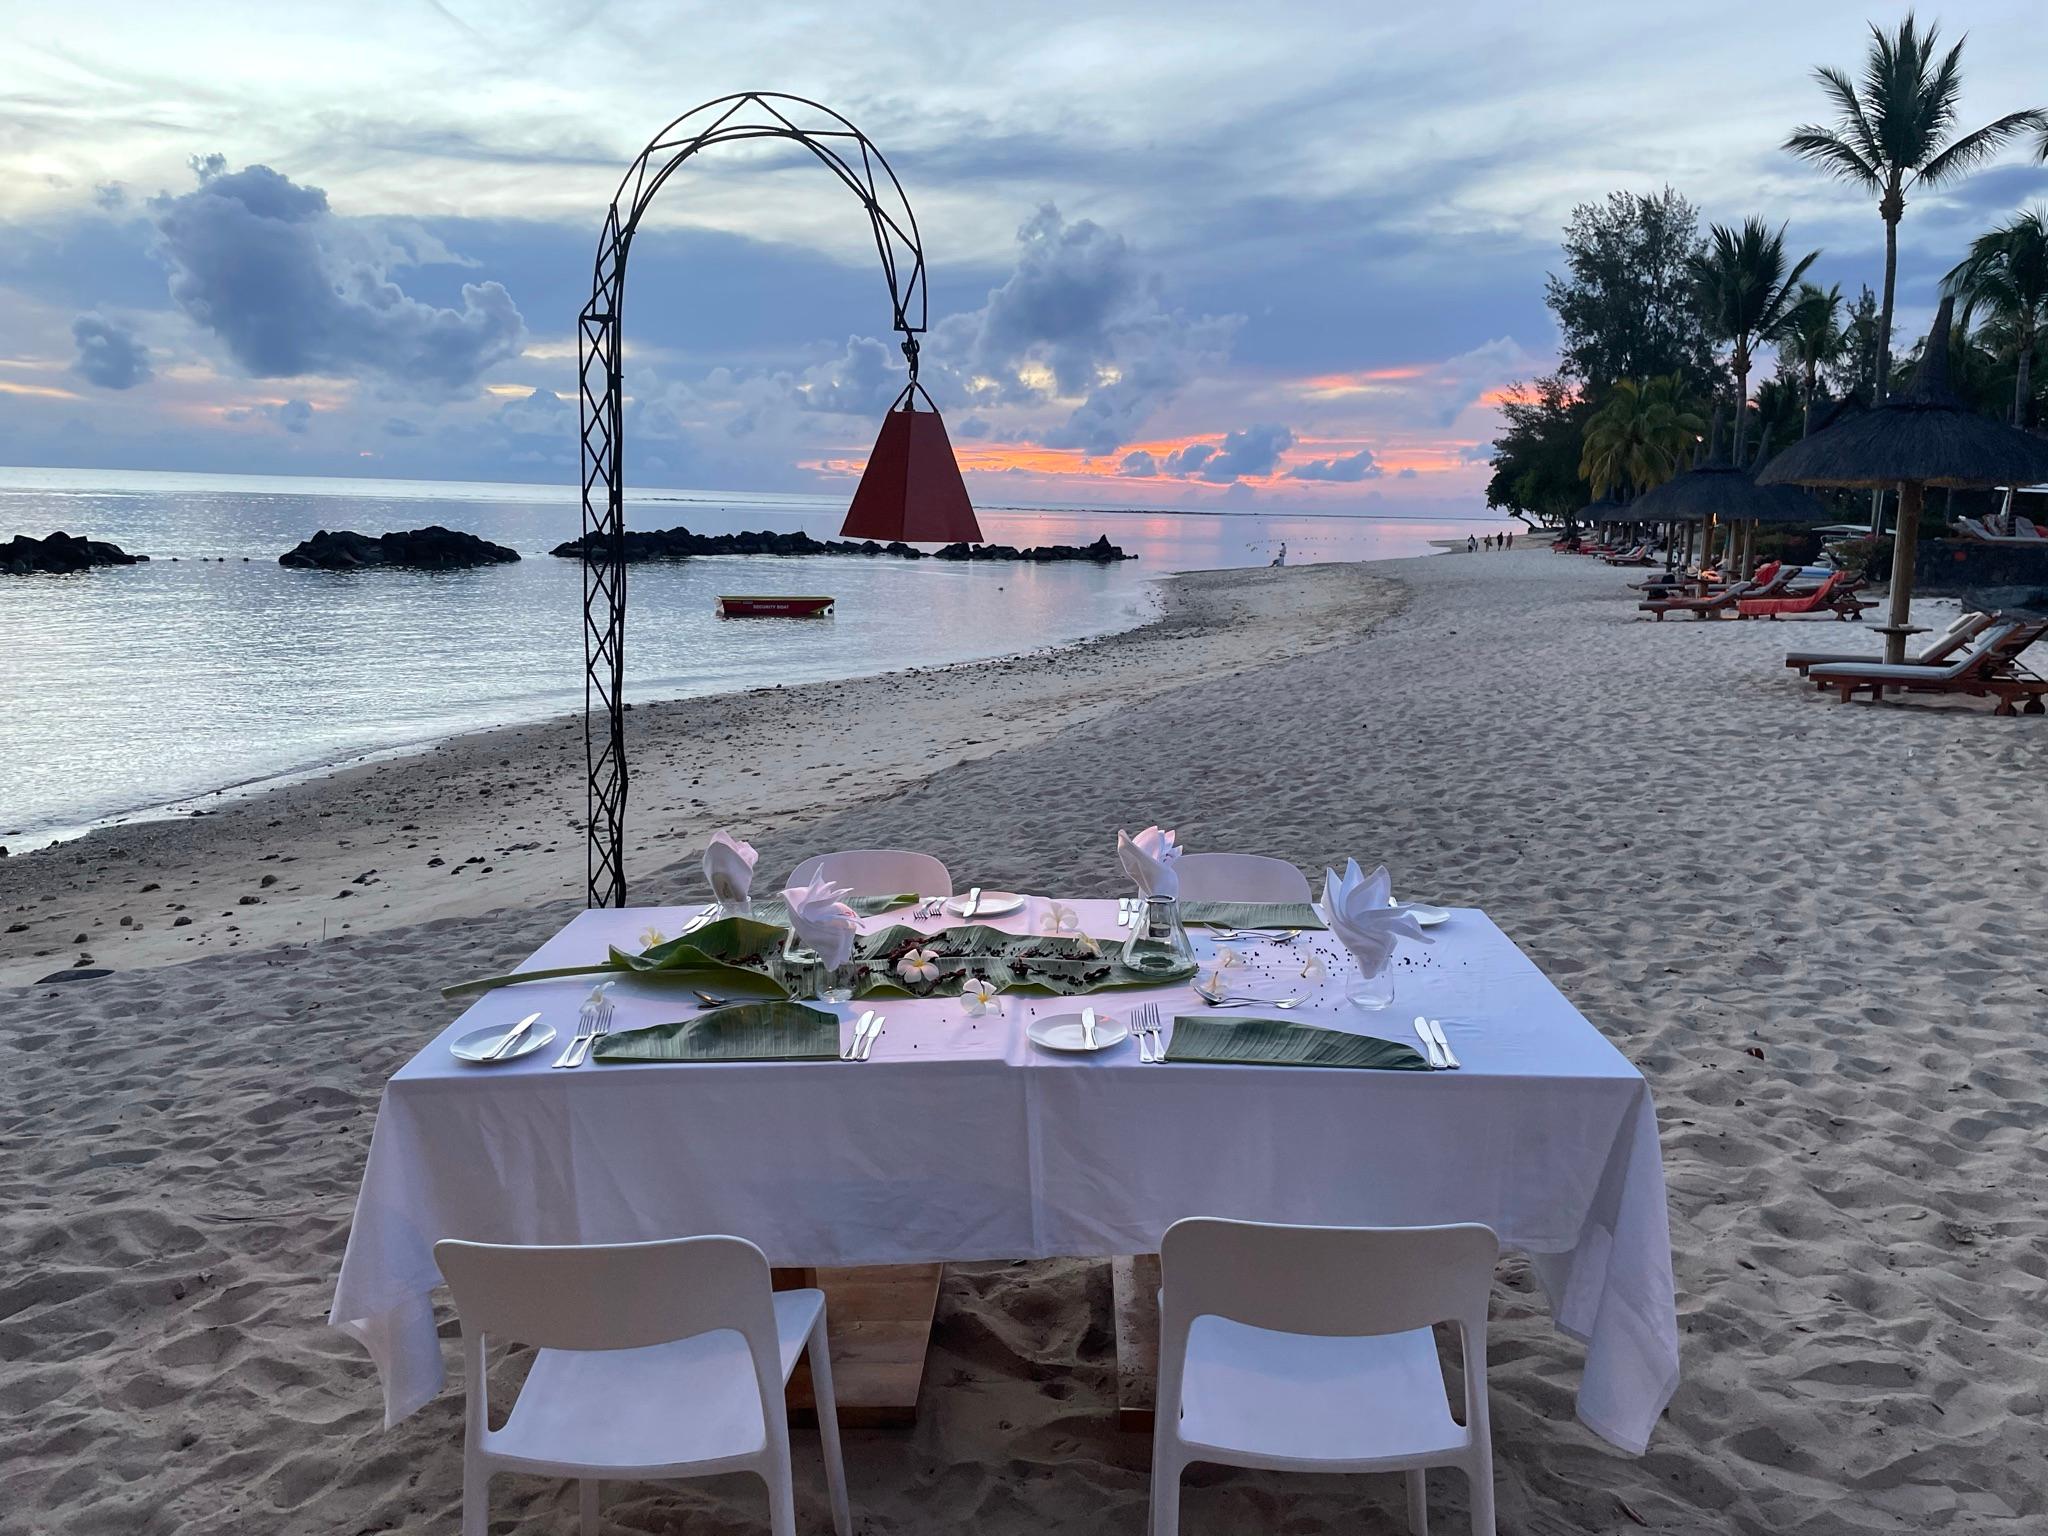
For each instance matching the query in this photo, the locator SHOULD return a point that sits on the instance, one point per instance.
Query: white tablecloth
(962, 1140)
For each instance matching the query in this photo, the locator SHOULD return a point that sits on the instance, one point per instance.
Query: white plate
(476, 1046)
(1062, 1032)
(992, 904)
(1425, 916)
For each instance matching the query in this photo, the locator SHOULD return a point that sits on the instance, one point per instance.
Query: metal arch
(845, 151)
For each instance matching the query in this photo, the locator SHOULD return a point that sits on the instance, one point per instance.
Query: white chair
(1310, 1349)
(655, 1360)
(1239, 877)
(877, 872)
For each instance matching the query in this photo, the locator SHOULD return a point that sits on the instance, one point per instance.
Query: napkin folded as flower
(1148, 860)
(822, 921)
(1355, 906)
(729, 868)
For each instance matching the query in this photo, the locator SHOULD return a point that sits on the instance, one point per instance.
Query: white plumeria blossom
(979, 996)
(1059, 918)
(1227, 957)
(650, 937)
(920, 965)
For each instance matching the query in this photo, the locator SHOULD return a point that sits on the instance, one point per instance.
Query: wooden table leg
(1134, 1284)
(880, 1325)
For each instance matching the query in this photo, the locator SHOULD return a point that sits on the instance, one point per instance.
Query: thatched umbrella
(1924, 437)
(1720, 489)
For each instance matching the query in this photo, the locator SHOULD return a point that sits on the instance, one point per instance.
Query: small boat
(773, 607)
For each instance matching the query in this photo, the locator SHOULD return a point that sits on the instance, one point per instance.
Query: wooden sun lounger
(1989, 669)
(1937, 651)
(1835, 596)
(1710, 606)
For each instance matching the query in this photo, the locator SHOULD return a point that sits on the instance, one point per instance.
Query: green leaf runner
(771, 1031)
(1284, 1043)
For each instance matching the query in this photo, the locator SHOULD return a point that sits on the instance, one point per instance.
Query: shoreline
(443, 829)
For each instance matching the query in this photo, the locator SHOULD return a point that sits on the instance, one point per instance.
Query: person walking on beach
(1471, 545)
(1509, 538)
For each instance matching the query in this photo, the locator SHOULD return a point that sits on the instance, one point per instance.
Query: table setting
(897, 1080)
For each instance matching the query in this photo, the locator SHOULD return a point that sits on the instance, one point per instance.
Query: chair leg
(1482, 1499)
(476, 1496)
(1418, 1501)
(1166, 1472)
(587, 1500)
(781, 1499)
(828, 1427)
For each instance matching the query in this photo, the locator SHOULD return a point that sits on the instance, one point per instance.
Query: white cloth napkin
(1355, 906)
(729, 867)
(822, 921)
(1148, 860)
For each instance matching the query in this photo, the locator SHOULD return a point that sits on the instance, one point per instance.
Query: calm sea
(125, 691)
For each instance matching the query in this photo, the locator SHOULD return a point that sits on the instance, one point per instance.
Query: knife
(973, 901)
(1087, 1029)
(860, 1028)
(874, 1034)
(1428, 1042)
(1436, 1027)
(497, 1052)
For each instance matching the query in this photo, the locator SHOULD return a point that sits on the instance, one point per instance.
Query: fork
(1141, 1026)
(1152, 1030)
(584, 1016)
(600, 1026)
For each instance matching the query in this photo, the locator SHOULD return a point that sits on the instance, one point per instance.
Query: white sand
(1708, 857)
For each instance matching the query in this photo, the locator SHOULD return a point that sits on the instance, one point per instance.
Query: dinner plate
(1425, 916)
(476, 1046)
(1062, 1032)
(992, 904)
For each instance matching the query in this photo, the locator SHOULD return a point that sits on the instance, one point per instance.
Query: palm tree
(1636, 440)
(1746, 296)
(1896, 132)
(2006, 275)
(1812, 339)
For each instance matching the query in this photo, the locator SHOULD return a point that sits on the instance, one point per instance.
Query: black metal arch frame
(845, 151)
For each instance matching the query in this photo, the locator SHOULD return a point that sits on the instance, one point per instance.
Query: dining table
(958, 1138)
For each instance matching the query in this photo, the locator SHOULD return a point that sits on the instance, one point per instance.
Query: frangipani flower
(650, 937)
(979, 996)
(1227, 957)
(1312, 968)
(918, 967)
(1059, 918)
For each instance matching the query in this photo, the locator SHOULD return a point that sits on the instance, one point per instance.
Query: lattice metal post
(601, 402)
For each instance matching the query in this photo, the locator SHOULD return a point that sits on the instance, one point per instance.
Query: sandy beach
(1811, 925)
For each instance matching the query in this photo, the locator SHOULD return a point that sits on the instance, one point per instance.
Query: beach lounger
(1710, 606)
(1834, 596)
(1936, 652)
(1988, 669)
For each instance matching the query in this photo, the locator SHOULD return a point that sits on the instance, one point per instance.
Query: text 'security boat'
(778, 606)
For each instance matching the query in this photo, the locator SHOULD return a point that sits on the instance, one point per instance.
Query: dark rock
(74, 975)
(181, 922)
(432, 548)
(681, 544)
(60, 554)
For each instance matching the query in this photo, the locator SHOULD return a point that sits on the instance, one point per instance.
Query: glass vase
(801, 974)
(1158, 945)
(730, 905)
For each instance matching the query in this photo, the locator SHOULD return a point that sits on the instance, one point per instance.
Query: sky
(1274, 256)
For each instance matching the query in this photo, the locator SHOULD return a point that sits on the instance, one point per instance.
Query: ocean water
(126, 691)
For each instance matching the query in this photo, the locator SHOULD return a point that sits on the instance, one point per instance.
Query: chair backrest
(610, 1295)
(1240, 877)
(2025, 529)
(1944, 645)
(1330, 1281)
(877, 872)
(1994, 644)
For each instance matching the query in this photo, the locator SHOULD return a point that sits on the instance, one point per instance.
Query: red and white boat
(778, 606)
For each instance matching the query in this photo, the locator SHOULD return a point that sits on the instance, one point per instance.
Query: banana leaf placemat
(1284, 1043)
(768, 1031)
(1250, 914)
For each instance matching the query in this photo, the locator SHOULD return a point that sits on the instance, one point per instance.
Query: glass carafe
(1158, 945)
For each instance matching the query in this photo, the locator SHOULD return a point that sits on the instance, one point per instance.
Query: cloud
(398, 426)
(1188, 460)
(291, 289)
(109, 353)
(1351, 466)
(1079, 318)
(1253, 453)
(292, 415)
(1405, 474)
(864, 380)
(1138, 463)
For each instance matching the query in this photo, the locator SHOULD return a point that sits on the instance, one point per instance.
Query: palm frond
(1973, 149)
(1849, 109)
(1834, 154)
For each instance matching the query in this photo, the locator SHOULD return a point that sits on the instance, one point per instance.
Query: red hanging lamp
(912, 488)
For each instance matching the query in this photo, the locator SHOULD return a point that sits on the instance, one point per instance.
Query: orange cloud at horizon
(39, 391)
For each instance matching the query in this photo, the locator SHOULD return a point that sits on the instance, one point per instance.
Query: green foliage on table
(767, 1031)
(1285, 1043)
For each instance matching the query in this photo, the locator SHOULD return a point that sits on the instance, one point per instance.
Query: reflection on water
(128, 688)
